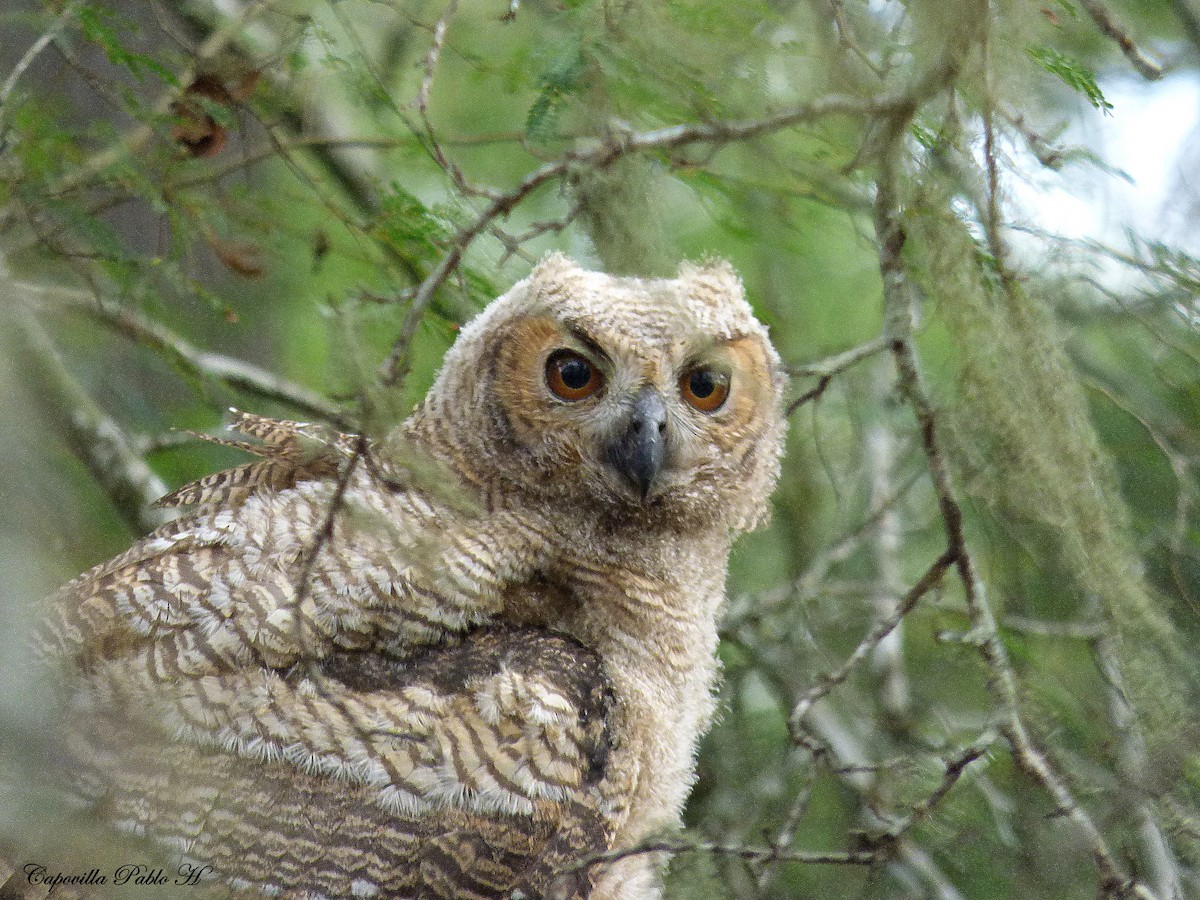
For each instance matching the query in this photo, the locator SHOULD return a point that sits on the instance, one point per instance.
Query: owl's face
(649, 398)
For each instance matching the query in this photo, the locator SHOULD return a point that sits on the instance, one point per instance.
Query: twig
(433, 56)
(787, 832)
(30, 55)
(422, 103)
(1079, 631)
(303, 583)
(92, 435)
(1046, 153)
(347, 169)
(847, 41)
(829, 368)
(814, 576)
(1131, 766)
(954, 767)
(137, 139)
(849, 762)
(991, 214)
(760, 854)
(236, 373)
(145, 444)
(364, 56)
(926, 583)
(879, 451)
(1113, 30)
(601, 156)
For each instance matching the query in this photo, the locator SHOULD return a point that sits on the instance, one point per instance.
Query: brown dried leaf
(241, 257)
(246, 85)
(195, 129)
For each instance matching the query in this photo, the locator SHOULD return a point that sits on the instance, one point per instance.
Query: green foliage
(408, 227)
(562, 77)
(105, 28)
(1072, 73)
(1021, 419)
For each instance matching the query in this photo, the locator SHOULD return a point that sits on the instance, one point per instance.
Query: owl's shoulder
(287, 453)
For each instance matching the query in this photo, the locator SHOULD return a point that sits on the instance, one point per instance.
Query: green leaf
(1072, 72)
(409, 227)
(97, 26)
(562, 78)
(217, 111)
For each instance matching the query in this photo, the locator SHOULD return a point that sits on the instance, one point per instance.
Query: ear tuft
(552, 266)
(712, 280)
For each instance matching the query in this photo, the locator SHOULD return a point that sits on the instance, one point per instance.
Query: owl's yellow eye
(571, 376)
(705, 388)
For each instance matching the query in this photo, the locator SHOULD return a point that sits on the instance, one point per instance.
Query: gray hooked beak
(638, 450)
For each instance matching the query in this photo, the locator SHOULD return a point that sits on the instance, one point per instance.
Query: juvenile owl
(461, 661)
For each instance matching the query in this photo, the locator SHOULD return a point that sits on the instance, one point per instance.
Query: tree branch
(93, 436)
(898, 306)
(884, 627)
(1131, 766)
(136, 140)
(755, 854)
(829, 368)
(28, 57)
(600, 156)
(1112, 29)
(228, 370)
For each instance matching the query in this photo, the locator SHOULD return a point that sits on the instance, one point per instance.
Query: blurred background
(258, 204)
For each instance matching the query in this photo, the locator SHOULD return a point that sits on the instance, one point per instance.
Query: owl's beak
(638, 450)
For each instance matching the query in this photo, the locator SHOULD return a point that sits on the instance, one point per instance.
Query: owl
(471, 658)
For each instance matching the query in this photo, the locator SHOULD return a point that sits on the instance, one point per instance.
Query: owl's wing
(471, 770)
(260, 671)
(315, 547)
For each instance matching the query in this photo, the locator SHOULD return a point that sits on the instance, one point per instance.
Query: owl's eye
(571, 376)
(705, 388)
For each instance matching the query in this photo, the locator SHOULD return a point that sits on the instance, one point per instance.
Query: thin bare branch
(137, 140)
(1115, 31)
(1162, 866)
(92, 435)
(1077, 631)
(954, 767)
(787, 832)
(992, 222)
(827, 369)
(885, 626)
(1046, 153)
(134, 325)
(749, 853)
(30, 55)
(850, 762)
(746, 609)
(879, 452)
(847, 41)
(600, 156)
(325, 531)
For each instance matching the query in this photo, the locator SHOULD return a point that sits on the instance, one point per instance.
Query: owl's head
(653, 399)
